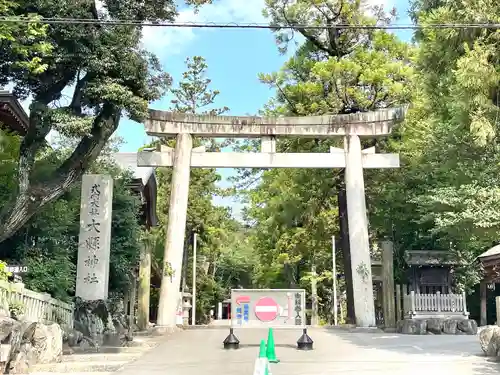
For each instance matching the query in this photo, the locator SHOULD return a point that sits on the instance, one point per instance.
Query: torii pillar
(352, 158)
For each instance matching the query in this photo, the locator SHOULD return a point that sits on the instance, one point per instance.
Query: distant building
(12, 115)
(144, 184)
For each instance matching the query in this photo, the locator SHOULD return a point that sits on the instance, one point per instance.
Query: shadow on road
(446, 347)
(486, 368)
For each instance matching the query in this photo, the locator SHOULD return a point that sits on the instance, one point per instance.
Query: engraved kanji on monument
(92, 276)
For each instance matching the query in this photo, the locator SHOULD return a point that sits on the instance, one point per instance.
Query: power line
(234, 25)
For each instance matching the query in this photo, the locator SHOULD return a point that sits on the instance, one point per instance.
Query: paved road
(195, 352)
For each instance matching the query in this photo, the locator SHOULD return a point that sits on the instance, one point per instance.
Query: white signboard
(16, 269)
(92, 276)
(266, 308)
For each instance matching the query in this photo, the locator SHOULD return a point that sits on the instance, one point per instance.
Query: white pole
(193, 312)
(334, 277)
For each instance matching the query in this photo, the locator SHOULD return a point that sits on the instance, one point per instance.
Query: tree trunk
(30, 197)
(314, 297)
(346, 250)
(144, 290)
(133, 300)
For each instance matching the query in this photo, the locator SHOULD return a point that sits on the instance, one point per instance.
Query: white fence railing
(38, 307)
(435, 304)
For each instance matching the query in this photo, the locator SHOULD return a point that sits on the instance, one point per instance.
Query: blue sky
(234, 57)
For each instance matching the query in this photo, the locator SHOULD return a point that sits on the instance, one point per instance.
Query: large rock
(27, 343)
(47, 343)
(73, 337)
(101, 323)
(450, 327)
(437, 326)
(16, 337)
(412, 326)
(467, 326)
(489, 339)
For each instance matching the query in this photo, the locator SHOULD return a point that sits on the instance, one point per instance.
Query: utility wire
(234, 25)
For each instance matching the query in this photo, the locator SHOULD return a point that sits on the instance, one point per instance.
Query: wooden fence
(38, 307)
(434, 305)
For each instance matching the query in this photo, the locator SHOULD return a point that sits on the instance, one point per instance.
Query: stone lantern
(186, 307)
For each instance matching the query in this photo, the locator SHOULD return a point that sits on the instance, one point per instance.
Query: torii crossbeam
(352, 158)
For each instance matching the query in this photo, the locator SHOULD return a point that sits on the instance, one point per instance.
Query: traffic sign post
(268, 308)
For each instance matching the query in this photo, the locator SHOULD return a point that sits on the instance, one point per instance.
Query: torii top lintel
(366, 124)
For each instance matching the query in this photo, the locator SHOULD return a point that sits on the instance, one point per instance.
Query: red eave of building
(12, 115)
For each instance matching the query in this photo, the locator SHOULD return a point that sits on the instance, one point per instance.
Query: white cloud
(170, 40)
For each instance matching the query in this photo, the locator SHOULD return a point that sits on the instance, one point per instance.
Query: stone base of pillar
(165, 330)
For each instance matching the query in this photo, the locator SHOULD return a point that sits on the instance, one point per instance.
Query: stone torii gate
(351, 127)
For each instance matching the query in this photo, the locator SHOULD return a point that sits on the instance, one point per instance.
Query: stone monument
(92, 277)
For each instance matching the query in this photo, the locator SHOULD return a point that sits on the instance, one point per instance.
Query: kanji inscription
(95, 235)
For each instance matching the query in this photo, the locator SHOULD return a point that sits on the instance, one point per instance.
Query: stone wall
(437, 326)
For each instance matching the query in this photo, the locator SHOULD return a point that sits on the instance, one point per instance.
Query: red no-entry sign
(266, 309)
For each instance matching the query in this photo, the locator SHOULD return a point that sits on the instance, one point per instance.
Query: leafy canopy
(93, 76)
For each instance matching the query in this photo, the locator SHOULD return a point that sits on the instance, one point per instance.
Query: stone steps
(104, 361)
(82, 366)
(114, 350)
(92, 357)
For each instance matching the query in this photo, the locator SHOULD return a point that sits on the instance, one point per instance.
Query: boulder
(73, 337)
(467, 326)
(412, 326)
(450, 327)
(16, 336)
(435, 326)
(101, 323)
(27, 343)
(47, 343)
(489, 339)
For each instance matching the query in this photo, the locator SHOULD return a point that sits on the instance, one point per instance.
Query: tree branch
(306, 35)
(290, 103)
(76, 100)
(316, 42)
(33, 197)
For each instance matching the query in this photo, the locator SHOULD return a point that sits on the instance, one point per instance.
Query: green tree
(446, 195)
(48, 242)
(193, 93)
(108, 75)
(24, 42)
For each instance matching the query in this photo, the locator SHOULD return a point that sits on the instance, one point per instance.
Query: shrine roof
(490, 254)
(128, 161)
(429, 258)
(12, 114)
(144, 181)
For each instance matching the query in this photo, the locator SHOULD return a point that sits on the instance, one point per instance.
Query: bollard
(231, 341)
(305, 342)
